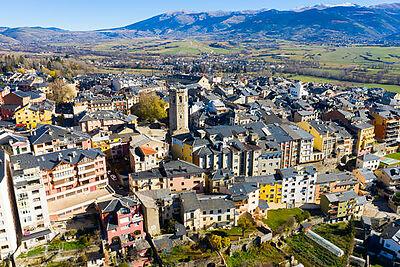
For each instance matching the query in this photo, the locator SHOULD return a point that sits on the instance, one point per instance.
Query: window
(219, 218)
(191, 215)
(228, 217)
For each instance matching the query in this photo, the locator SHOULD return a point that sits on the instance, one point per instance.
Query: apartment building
(387, 127)
(51, 138)
(298, 184)
(33, 113)
(365, 138)
(31, 201)
(103, 119)
(122, 222)
(200, 211)
(177, 175)
(73, 179)
(335, 182)
(340, 206)
(9, 226)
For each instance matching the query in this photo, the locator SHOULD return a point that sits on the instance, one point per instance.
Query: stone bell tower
(178, 111)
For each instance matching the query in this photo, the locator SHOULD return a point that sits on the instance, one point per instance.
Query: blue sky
(100, 14)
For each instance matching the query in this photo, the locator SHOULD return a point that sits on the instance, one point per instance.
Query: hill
(346, 23)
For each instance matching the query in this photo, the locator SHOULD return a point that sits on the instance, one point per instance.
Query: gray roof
(241, 191)
(216, 204)
(25, 161)
(292, 172)
(341, 196)
(47, 132)
(180, 167)
(115, 205)
(265, 179)
(189, 201)
(370, 157)
(334, 176)
(72, 156)
(263, 204)
(105, 115)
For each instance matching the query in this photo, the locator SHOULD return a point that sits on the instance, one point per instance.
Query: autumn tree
(61, 92)
(244, 223)
(150, 108)
(218, 242)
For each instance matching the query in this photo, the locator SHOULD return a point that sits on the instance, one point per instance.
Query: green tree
(350, 229)
(244, 223)
(150, 108)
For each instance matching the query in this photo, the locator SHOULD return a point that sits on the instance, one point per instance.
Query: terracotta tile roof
(147, 150)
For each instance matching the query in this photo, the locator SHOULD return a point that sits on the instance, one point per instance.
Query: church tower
(178, 111)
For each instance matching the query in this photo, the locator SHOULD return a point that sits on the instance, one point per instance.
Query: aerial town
(210, 168)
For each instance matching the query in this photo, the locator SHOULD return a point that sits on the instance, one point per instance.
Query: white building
(31, 201)
(8, 214)
(298, 184)
(203, 211)
(297, 91)
(368, 161)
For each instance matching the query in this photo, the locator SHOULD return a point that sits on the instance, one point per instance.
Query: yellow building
(183, 146)
(270, 187)
(325, 137)
(387, 126)
(32, 114)
(365, 138)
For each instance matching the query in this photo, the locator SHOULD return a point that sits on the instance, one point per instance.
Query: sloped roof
(115, 205)
(72, 156)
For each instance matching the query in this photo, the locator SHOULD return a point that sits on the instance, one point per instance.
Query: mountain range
(320, 23)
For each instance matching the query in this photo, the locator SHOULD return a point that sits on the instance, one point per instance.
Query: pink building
(123, 223)
(73, 179)
(183, 176)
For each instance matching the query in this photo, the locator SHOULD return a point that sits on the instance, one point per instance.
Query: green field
(279, 217)
(387, 87)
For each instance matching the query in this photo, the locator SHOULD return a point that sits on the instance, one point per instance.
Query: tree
(168, 227)
(150, 108)
(61, 92)
(350, 230)
(244, 223)
(215, 242)
(226, 242)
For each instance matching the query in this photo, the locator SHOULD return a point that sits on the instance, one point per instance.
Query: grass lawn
(394, 156)
(32, 252)
(184, 253)
(66, 245)
(277, 218)
(256, 257)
